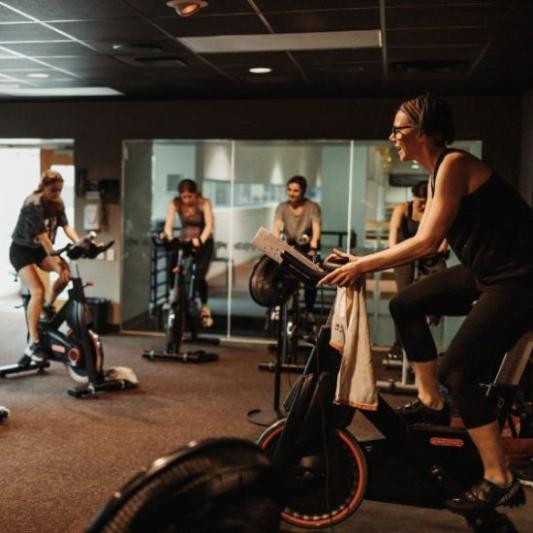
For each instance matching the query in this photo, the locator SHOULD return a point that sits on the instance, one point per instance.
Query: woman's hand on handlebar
(196, 242)
(346, 275)
(338, 256)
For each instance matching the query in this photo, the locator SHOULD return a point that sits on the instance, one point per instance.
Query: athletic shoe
(205, 317)
(35, 352)
(4, 413)
(48, 311)
(487, 495)
(416, 412)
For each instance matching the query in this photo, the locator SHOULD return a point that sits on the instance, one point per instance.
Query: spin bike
(182, 308)
(78, 348)
(326, 472)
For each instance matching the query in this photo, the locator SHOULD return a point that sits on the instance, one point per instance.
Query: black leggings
(404, 276)
(493, 325)
(204, 255)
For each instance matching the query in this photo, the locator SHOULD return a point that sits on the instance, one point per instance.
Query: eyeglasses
(396, 130)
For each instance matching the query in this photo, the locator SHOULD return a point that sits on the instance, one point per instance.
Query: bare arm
(395, 222)
(46, 243)
(316, 229)
(71, 233)
(169, 222)
(438, 216)
(209, 221)
(278, 226)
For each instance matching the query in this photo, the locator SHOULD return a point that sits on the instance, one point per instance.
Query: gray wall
(136, 231)
(99, 127)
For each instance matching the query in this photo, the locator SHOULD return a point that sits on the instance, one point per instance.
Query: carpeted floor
(62, 458)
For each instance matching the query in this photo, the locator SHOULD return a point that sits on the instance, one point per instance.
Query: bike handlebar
(84, 249)
(301, 270)
(176, 243)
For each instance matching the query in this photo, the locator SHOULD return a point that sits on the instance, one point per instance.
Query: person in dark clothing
(490, 229)
(403, 225)
(32, 246)
(197, 223)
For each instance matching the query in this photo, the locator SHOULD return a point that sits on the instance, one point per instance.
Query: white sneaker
(35, 352)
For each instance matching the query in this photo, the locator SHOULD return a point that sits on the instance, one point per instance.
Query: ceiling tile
(133, 28)
(447, 37)
(203, 26)
(74, 63)
(72, 9)
(45, 49)
(17, 63)
(27, 32)
(318, 57)
(268, 6)
(8, 15)
(364, 19)
(427, 53)
(436, 17)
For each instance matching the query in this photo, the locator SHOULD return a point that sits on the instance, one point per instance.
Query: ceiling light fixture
(38, 75)
(260, 70)
(187, 8)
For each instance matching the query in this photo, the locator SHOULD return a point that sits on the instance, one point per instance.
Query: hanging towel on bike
(350, 335)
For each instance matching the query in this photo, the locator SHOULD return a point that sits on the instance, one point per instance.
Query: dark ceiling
(456, 47)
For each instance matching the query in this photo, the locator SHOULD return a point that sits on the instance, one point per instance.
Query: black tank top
(492, 233)
(408, 226)
(193, 224)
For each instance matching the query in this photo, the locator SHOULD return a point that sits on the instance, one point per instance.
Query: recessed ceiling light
(38, 75)
(187, 8)
(260, 70)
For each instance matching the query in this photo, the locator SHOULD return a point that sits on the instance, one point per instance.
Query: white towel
(350, 335)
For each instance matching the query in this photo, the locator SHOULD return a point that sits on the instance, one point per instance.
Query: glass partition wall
(356, 184)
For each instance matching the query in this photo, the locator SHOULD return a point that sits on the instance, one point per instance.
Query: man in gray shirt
(298, 219)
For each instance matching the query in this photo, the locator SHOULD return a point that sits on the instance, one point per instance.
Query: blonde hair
(431, 115)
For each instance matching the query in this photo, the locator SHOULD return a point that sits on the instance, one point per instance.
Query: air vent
(429, 67)
(161, 61)
(157, 62)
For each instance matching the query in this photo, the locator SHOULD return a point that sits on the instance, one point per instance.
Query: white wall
(167, 159)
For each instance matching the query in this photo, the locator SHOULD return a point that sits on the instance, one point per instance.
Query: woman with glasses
(490, 228)
(32, 246)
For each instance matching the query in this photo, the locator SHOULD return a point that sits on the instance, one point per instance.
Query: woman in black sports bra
(490, 229)
(403, 225)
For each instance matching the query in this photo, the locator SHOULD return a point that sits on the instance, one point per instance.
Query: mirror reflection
(217, 193)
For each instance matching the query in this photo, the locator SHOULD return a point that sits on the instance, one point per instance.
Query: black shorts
(21, 256)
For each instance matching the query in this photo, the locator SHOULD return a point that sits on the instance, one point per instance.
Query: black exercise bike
(327, 472)
(182, 310)
(66, 336)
